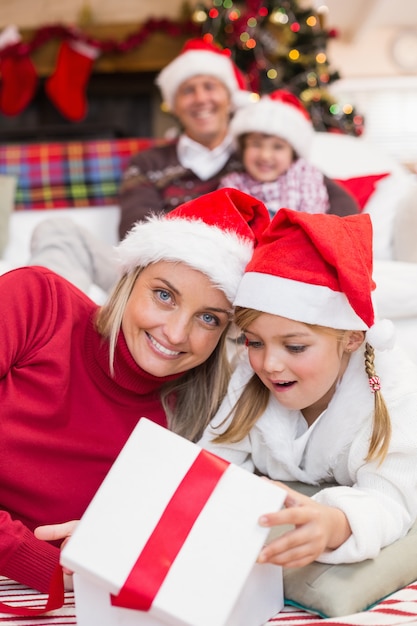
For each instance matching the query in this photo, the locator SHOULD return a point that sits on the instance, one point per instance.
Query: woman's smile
(162, 349)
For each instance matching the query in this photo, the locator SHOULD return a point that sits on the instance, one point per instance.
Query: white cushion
(396, 289)
(103, 222)
(343, 156)
(7, 194)
(383, 206)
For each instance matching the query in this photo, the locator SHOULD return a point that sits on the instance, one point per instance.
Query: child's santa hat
(215, 234)
(280, 114)
(200, 57)
(316, 269)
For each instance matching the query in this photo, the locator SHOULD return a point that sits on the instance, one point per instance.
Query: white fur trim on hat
(272, 117)
(220, 254)
(194, 63)
(303, 302)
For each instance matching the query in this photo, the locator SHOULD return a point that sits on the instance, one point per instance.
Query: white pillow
(7, 195)
(343, 156)
(382, 207)
(101, 221)
(396, 289)
(405, 228)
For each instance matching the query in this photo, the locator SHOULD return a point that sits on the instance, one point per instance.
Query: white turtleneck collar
(203, 162)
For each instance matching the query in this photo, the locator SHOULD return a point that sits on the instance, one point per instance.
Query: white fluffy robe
(380, 502)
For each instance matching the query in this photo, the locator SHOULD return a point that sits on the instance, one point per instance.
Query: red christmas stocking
(18, 76)
(18, 84)
(66, 86)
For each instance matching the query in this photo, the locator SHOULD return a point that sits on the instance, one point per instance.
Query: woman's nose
(177, 328)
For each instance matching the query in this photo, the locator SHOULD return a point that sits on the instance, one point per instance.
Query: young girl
(326, 398)
(275, 136)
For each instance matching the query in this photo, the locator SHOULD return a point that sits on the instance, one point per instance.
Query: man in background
(201, 87)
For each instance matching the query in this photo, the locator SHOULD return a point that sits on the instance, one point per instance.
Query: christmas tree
(278, 44)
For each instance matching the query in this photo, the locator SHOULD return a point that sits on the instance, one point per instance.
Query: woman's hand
(54, 532)
(315, 528)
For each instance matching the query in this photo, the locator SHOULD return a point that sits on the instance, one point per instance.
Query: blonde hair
(190, 401)
(381, 427)
(255, 396)
(109, 318)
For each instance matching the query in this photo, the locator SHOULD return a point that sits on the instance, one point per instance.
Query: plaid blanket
(400, 608)
(69, 174)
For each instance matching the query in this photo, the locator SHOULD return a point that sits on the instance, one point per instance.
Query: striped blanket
(399, 608)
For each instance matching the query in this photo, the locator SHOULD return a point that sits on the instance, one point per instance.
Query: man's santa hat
(316, 269)
(279, 113)
(215, 234)
(200, 57)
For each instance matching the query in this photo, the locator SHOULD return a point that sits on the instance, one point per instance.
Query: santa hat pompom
(381, 335)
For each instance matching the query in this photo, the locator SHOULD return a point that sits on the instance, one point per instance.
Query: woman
(75, 378)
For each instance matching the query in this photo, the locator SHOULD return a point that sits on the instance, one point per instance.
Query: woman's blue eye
(209, 319)
(163, 295)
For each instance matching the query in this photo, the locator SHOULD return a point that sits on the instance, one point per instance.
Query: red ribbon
(170, 533)
(54, 601)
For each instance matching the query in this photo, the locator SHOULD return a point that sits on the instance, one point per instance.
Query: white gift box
(172, 537)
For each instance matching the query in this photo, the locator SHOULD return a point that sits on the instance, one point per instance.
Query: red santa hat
(279, 113)
(200, 57)
(316, 269)
(215, 234)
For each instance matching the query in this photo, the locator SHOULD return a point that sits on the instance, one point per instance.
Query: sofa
(80, 180)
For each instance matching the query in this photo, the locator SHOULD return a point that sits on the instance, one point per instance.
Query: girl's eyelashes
(296, 348)
(251, 343)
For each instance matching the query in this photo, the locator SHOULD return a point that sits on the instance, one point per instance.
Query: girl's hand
(316, 528)
(54, 532)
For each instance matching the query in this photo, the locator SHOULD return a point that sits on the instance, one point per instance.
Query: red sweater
(63, 419)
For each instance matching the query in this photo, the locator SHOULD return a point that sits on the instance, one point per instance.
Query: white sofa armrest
(396, 289)
(102, 222)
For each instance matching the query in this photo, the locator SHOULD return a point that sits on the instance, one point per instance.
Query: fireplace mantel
(123, 100)
(151, 56)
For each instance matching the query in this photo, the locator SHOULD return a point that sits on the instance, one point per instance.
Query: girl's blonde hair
(254, 399)
(190, 401)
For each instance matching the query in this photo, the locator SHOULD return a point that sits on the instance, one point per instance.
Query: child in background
(274, 137)
(326, 398)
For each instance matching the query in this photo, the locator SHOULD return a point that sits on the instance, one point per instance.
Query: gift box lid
(172, 527)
